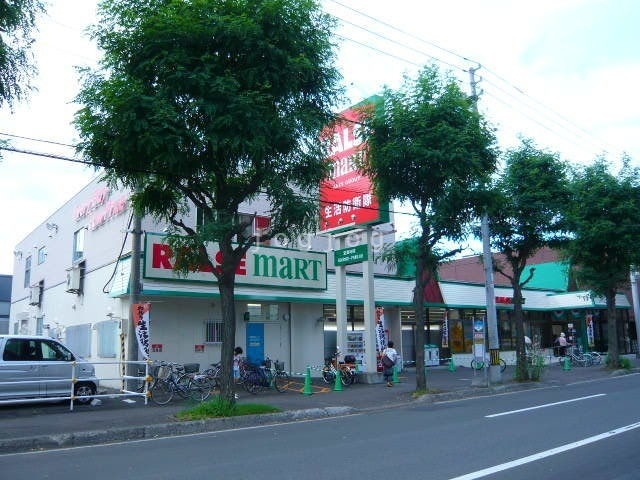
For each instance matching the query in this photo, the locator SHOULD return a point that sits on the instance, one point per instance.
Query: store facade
(72, 274)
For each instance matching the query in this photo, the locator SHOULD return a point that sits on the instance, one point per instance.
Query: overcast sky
(563, 73)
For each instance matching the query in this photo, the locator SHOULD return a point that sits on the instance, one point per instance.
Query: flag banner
(141, 322)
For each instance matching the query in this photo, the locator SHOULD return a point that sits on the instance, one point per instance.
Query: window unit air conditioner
(73, 280)
(34, 295)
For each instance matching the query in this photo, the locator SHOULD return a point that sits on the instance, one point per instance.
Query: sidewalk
(43, 426)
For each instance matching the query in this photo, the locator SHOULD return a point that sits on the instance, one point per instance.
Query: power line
(88, 163)
(36, 139)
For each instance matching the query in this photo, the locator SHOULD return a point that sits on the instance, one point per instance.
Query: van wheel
(84, 392)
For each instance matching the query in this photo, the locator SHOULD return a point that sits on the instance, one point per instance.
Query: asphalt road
(582, 431)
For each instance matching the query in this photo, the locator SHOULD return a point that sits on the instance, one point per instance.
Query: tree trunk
(226, 286)
(613, 357)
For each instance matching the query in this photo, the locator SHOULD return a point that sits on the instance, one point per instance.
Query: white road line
(544, 406)
(546, 453)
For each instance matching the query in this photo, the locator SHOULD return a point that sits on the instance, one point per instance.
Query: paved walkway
(38, 426)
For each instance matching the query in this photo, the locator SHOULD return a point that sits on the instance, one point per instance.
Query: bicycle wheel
(252, 382)
(347, 376)
(328, 375)
(281, 381)
(161, 391)
(597, 358)
(183, 385)
(200, 388)
(503, 365)
(477, 364)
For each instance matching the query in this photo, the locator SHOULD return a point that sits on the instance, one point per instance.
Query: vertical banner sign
(590, 339)
(445, 330)
(346, 198)
(141, 319)
(381, 337)
(478, 339)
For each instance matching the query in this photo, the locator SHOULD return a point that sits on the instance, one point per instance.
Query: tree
(17, 22)
(526, 214)
(427, 146)
(604, 217)
(213, 103)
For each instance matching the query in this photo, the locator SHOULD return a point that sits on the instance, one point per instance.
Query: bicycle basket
(279, 366)
(160, 371)
(191, 367)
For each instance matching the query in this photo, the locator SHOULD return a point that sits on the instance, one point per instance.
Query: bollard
(395, 378)
(452, 365)
(567, 363)
(338, 385)
(308, 390)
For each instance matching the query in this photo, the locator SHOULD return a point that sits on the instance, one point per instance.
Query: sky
(561, 72)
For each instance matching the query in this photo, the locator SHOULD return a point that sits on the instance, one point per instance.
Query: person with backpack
(389, 358)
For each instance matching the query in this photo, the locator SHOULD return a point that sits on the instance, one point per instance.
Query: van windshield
(55, 352)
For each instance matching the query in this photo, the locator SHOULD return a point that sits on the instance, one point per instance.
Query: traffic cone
(452, 365)
(395, 378)
(308, 390)
(567, 363)
(338, 385)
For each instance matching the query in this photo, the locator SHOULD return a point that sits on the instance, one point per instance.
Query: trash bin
(431, 355)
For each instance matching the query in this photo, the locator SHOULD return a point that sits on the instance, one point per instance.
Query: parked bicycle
(184, 380)
(577, 357)
(333, 366)
(270, 374)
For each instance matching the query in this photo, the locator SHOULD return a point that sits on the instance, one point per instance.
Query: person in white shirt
(387, 371)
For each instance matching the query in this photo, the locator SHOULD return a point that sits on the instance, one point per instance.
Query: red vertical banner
(141, 322)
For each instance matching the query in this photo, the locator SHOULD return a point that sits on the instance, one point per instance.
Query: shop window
(213, 332)
(107, 338)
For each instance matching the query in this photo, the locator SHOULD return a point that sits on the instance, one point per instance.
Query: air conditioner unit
(73, 280)
(34, 295)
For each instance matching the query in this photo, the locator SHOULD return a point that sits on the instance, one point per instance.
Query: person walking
(391, 354)
(562, 345)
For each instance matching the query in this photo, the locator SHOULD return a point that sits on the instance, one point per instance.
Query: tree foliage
(17, 23)
(526, 209)
(213, 104)
(427, 146)
(604, 217)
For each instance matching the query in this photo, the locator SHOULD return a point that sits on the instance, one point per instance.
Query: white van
(41, 367)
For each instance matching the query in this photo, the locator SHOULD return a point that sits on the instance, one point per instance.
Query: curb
(97, 437)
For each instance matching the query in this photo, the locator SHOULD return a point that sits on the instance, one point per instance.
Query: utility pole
(134, 295)
(495, 376)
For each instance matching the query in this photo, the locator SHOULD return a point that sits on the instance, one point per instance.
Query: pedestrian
(389, 365)
(562, 344)
(237, 360)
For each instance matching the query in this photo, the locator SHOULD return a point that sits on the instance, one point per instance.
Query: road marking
(543, 406)
(546, 453)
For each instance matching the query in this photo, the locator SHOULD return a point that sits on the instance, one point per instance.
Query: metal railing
(73, 380)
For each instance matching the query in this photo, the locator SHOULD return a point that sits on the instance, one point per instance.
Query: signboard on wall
(346, 198)
(263, 266)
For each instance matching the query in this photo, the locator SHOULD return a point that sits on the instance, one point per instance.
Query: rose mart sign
(262, 266)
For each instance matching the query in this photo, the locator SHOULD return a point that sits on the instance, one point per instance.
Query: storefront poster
(141, 321)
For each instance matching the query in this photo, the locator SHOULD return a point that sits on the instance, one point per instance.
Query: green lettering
(285, 270)
(266, 263)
